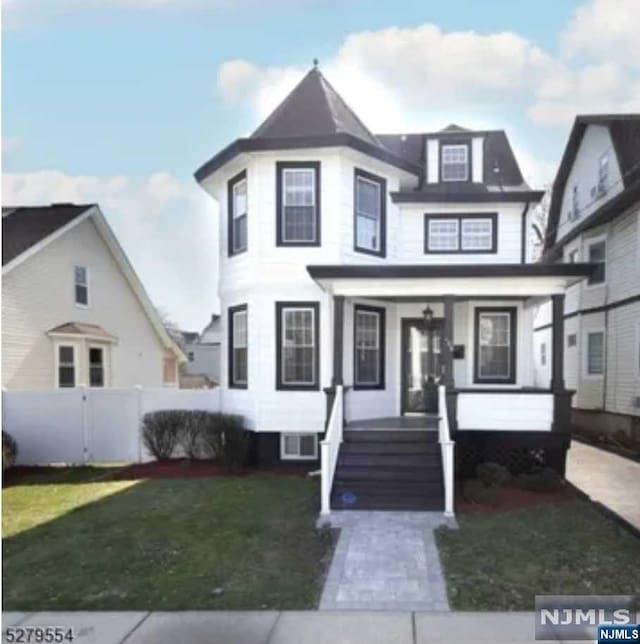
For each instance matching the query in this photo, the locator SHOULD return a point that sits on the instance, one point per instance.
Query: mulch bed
(514, 498)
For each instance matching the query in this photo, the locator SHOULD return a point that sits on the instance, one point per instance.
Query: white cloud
(606, 27)
(167, 227)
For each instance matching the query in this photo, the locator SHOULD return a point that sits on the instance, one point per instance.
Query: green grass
(501, 561)
(78, 541)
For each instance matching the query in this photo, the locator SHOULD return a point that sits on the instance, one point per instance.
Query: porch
(446, 350)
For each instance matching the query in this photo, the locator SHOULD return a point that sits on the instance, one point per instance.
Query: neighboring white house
(73, 310)
(203, 355)
(337, 246)
(595, 217)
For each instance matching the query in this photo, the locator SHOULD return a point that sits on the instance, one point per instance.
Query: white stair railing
(447, 447)
(329, 449)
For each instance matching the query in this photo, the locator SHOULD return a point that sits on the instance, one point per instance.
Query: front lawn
(78, 540)
(501, 561)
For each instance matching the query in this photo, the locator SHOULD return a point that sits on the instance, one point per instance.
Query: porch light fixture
(427, 314)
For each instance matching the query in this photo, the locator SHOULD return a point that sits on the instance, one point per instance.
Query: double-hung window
(370, 195)
(454, 164)
(237, 200)
(472, 233)
(96, 367)
(238, 345)
(495, 345)
(66, 366)
(81, 285)
(595, 354)
(297, 359)
(598, 255)
(298, 446)
(369, 337)
(298, 203)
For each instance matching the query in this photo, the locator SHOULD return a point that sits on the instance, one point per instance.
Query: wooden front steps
(388, 470)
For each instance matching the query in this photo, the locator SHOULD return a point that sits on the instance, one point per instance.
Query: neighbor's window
(96, 367)
(543, 354)
(598, 254)
(603, 173)
(81, 279)
(573, 256)
(190, 356)
(66, 366)
(595, 353)
(369, 213)
(461, 233)
(495, 345)
(575, 203)
(298, 204)
(455, 162)
(237, 188)
(299, 446)
(572, 340)
(368, 357)
(297, 360)
(238, 344)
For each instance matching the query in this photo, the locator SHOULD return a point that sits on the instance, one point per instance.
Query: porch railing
(447, 447)
(329, 449)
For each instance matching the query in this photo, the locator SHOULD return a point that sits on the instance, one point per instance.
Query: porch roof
(463, 280)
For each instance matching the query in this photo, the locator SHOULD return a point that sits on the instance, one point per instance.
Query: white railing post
(329, 449)
(447, 448)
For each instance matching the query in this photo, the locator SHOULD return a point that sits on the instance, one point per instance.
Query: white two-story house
(595, 217)
(358, 273)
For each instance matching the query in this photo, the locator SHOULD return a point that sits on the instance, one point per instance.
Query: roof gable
(26, 226)
(624, 130)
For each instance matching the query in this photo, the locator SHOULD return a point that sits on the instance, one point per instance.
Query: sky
(120, 101)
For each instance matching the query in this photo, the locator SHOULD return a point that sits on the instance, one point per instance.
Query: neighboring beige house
(74, 311)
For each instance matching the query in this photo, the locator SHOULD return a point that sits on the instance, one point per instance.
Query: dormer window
(455, 162)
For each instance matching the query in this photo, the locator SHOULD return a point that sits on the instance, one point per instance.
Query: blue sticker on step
(349, 498)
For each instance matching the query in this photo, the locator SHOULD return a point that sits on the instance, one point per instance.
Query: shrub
(162, 430)
(225, 438)
(9, 450)
(543, 480)
(493, 473)
(191, 434)
(475, 491)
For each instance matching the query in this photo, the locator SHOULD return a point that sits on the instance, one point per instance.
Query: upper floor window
(370, 213)
(495, 345)
(81, 285)
(238, 345)
(96, 367)
(298, 203)
(368, 347)
(603, 174)
(297, 360)
(455, 162)
(461, 233)
(598, 255)
(237, 198)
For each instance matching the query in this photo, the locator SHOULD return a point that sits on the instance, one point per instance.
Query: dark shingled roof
(313, 108)
(624, 130)
(25, 226)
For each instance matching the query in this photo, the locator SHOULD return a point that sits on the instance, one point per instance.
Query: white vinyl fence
(84, 425)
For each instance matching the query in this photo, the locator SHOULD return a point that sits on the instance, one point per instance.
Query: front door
(421, 365)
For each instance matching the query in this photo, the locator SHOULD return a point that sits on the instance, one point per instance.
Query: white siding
(477, 158)
(525, 412)
(39, 295)
(433, 161)
(584, 175)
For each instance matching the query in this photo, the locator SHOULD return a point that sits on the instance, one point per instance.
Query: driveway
(607, 478)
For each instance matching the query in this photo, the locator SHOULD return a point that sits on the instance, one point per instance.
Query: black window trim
(305, 304)
(513, 311)
(241, 176)
(382, 182)
(381, 312)
(232, 310)
(443, 143)
(459, 217)
(287, 165)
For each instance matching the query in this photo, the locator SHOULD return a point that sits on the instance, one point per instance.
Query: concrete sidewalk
(607, 478)
(272, 627)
